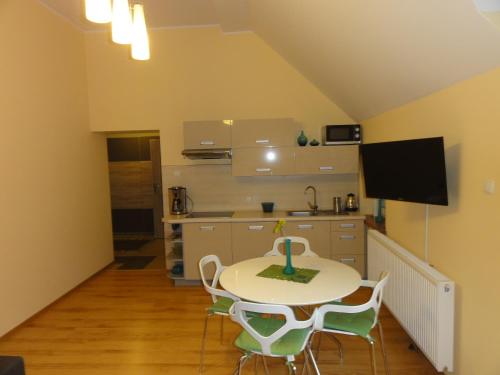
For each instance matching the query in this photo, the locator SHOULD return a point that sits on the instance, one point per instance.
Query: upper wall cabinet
(206, 135)
(327, 159)
(264, 132)
(268, 161)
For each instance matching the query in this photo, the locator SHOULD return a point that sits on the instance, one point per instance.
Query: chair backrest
(374, 302)
(377, 293)
(211, 288)
(294, 239)
(238, 313)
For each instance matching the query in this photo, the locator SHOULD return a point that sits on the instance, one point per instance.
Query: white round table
(334, 280)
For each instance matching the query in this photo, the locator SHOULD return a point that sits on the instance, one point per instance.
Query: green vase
(288, 270)
(302, 139)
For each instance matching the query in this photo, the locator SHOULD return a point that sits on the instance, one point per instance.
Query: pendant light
(98, 11)
(121, 28)
(140, 40)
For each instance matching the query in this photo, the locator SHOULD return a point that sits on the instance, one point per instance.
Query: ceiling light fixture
(121, 27)
(140, 40)
(98, 11)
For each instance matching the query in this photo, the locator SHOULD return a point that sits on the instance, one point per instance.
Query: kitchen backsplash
(213, 188)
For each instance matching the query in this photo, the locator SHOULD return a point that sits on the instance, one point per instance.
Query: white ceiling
(366, 56)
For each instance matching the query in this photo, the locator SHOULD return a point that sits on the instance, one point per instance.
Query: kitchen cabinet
(356, 261)
(268, 161)
(206, 135)
(317, 232)
(264, 133)
(202, 239)
(348, 243)
(327, 159)
(252, 239)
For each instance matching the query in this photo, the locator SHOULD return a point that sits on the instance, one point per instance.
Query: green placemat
(301, 275)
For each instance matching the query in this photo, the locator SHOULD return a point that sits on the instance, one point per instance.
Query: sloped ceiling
(371, 56)
(367, 56)
(231, 15)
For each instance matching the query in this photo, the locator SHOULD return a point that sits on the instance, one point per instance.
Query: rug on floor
(133, 262)
(128, 245)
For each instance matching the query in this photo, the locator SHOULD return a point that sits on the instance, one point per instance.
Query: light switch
(489, 186)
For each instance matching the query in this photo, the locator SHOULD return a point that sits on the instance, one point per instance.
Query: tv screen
(412, 170)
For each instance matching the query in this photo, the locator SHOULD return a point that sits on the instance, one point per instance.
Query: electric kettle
(350, 202)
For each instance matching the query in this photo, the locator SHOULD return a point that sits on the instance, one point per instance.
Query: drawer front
(264, 132)
(327, 160)
(317, 232)
(202, 239)
(355, 261)
(263, 161)
(348, 226)
(206, 135)
(252, 239)
(348, 242)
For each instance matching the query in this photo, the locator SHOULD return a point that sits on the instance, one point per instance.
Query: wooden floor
(136, 322)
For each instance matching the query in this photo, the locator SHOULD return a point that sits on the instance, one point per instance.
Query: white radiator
(419, 297)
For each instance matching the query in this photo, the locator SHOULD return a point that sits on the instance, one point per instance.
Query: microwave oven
(342, 134)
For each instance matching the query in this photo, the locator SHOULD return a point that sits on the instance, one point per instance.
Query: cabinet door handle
(262, 141)
(263, 170)
(207, 227)
(348, 260)
(255, 227)
(207, 143)
(347, 237)
(326, 168)
(305, 226)
(348, 225)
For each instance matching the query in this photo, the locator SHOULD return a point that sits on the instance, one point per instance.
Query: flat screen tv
(412, 170)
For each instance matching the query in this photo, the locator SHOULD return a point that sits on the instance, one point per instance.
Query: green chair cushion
(358, 323)
(222, 305)
(290, 344)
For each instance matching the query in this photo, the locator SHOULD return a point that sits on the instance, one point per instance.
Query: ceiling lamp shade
(121, 28)
(98, 11)
(140, 40)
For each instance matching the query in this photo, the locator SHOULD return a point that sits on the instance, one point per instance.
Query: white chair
(221, 299)
(276, 334)
(281, 240)
(358, 320)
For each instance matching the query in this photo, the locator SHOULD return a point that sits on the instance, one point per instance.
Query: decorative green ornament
(302, 139)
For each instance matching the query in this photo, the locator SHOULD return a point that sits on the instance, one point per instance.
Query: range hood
(207, 153)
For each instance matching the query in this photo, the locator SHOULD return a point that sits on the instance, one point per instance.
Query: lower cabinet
(341, 240)
(252, 239)
(356, 261)
(317, 232)
(202, 239)
(348, 243)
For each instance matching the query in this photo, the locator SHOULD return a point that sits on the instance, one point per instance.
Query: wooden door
(154, 149)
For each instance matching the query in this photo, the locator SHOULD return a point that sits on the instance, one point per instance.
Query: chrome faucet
(314, 205)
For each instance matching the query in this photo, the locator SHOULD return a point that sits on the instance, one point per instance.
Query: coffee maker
(177, 200)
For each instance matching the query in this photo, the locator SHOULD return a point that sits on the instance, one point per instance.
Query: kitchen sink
(312, 213)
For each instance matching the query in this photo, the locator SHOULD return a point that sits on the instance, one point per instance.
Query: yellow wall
(55, 226)
(465, 236)
(197, 74)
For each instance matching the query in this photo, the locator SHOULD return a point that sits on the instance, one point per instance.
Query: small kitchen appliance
(337, 205)
(341, 134)
(350, 202)
(177, 200)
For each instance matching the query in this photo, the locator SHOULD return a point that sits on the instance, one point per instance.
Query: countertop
(250, 216)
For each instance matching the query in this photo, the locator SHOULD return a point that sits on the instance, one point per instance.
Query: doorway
(134, 161)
